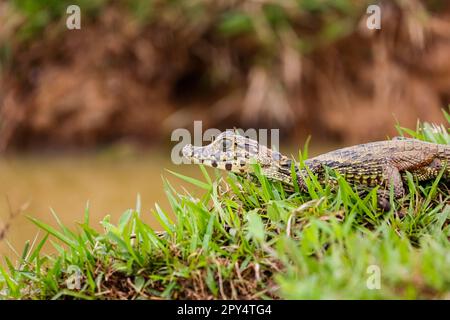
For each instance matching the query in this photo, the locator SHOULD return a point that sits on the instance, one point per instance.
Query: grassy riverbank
(249, 240)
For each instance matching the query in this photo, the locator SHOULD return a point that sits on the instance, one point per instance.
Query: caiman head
(236, 153)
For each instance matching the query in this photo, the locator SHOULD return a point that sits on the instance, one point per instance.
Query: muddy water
(110, 182)
(33, 185)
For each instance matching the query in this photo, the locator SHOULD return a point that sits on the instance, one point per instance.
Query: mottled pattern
(371, 164)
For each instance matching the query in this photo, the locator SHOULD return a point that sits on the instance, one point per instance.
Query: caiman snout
(188, 151)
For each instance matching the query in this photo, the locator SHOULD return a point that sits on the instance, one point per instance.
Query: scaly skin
(381, 163)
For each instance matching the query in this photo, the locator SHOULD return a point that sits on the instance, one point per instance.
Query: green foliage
(247, 239)
(234, 23)
(428, 132)
(39, 14)
(264, 23)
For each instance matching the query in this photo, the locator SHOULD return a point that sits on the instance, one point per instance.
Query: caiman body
(381, 163)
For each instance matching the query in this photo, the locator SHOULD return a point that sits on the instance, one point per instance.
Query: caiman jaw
(203, 155)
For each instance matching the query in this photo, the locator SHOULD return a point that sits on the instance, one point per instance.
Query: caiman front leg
(302, 174)
(392, 177)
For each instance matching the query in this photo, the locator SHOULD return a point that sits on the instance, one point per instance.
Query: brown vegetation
(117, 78)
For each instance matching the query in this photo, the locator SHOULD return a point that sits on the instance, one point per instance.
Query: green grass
(242, 239)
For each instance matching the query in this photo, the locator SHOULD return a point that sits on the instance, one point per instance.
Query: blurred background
(87, 114)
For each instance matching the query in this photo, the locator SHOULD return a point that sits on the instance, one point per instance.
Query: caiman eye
(276, 156)
(226, 144)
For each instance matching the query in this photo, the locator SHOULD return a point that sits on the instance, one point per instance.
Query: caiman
(381, 163)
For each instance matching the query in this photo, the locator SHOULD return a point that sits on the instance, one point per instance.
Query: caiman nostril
(188, 151)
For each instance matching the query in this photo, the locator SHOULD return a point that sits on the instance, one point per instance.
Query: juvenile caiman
(381, 163)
